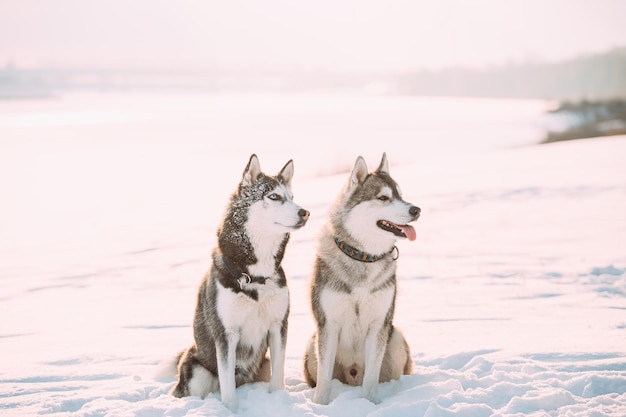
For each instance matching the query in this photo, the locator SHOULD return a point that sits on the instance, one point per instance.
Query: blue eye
(274, 197)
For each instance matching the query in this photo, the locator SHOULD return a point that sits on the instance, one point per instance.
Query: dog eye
(383, 198)
(274, 197)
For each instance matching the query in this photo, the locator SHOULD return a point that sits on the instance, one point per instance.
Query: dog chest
(252, 318)
(358, 310)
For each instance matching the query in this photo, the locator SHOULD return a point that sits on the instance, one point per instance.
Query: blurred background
(572, 53)
(124, 106)
(482, 48)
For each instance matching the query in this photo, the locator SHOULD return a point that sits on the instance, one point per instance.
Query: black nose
(304, 214)
(414, 211)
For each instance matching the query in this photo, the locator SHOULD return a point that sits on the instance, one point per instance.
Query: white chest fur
(252, 318)
(353, 316)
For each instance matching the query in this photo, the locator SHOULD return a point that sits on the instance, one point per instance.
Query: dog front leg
(277, 342)
(226, 361)
(327, 340)
(375, 343)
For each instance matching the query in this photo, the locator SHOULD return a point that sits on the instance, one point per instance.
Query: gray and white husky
(243, 301)
(353, 288)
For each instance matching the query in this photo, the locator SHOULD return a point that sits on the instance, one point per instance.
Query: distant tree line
(589, 77)
(598, 76)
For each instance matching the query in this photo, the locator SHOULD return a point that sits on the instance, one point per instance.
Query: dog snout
(304, 214)
(415, 211)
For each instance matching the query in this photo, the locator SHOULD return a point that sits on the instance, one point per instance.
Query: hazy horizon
(283, 36)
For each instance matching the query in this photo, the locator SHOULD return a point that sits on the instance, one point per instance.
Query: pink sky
(294, 35)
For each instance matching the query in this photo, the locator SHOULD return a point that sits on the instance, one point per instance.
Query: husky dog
(243, 300)
(353, 289)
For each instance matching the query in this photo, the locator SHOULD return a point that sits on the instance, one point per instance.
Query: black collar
(363, 256)
(242, 278)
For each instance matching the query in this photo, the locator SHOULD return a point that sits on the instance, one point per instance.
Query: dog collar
(246, 279)
(243, 279)
(363, 256)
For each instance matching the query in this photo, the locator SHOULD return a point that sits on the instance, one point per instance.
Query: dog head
(268, 201)
(372, 211)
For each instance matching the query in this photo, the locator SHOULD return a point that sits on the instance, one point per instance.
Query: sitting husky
(353, 289)
(243, 300)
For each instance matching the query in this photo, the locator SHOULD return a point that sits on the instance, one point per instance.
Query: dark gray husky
(243, 300)
(353, 290)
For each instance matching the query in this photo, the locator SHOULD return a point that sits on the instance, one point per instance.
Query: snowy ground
(513, 297)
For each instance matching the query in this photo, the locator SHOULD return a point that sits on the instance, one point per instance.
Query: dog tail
(310, 362)
(168, 368)
(408, 366)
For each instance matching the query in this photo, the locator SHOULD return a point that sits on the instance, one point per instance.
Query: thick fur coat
(243, 301)
(353, 288)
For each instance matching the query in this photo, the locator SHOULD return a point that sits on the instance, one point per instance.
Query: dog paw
(230, 403)
(321, 397)
(372, 395)
(277, 386)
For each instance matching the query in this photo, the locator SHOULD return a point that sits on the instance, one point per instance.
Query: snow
(512, 298)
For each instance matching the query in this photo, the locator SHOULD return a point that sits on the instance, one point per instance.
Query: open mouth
(399, 230)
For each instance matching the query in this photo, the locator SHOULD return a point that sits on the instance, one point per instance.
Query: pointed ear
(286, 174)
(359, 172)
(384, 165)
(252, 171)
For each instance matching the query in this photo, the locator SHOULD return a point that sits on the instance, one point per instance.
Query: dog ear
(359, 172)
(252, 171)
(384, 165)
(286, 174)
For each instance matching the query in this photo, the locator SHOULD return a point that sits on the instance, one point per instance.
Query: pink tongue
(409, 231)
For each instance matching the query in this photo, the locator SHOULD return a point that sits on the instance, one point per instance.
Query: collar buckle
(244, 280)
